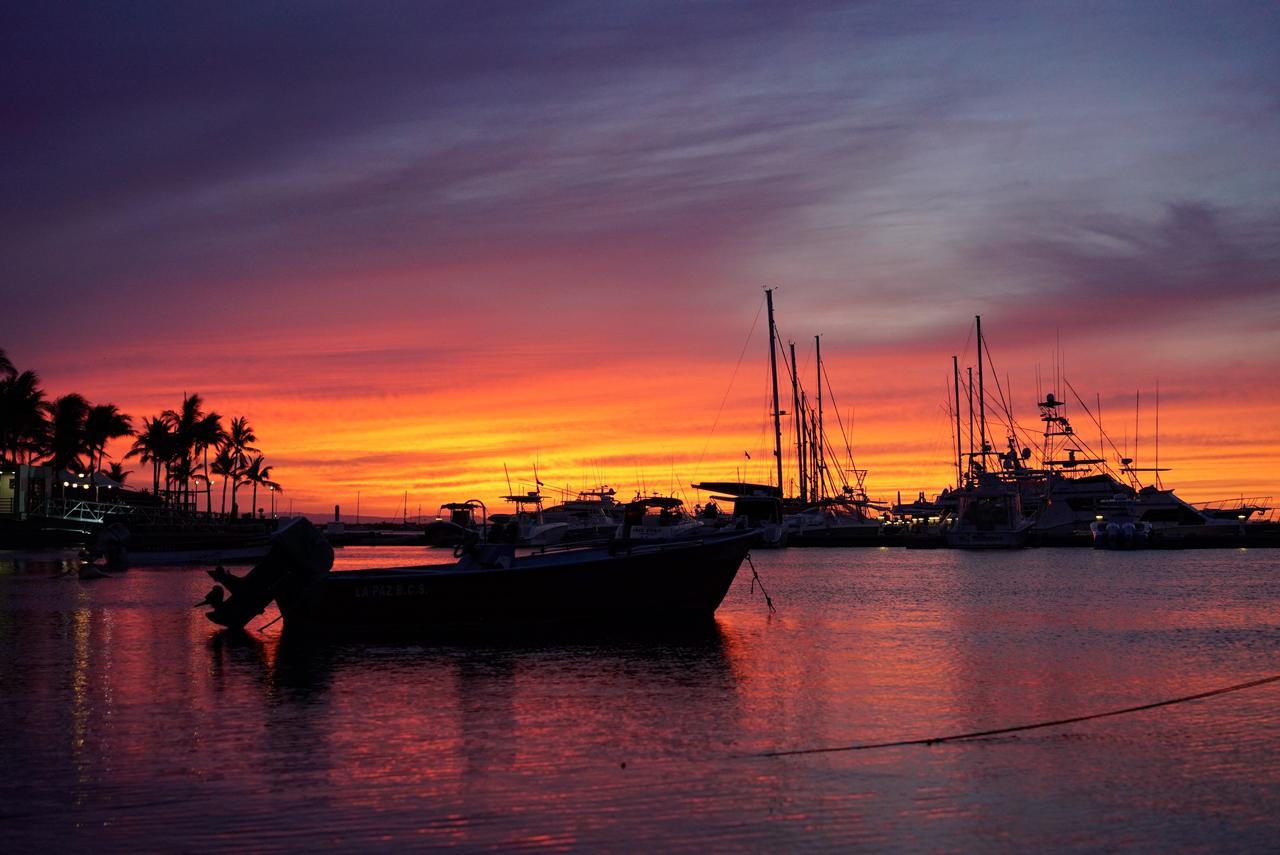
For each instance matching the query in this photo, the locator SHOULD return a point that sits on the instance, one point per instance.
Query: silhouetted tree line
(184, 446)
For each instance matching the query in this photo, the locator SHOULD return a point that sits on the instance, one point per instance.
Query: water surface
(128, 721)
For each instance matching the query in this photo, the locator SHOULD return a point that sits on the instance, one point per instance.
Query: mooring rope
(755, 579)
(868, 746)
(271, 623)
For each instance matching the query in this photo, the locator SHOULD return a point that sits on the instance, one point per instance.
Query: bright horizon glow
(570, 420)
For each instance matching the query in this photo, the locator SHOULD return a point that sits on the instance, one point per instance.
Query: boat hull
(658, 584)
(836, 536)
(998, 539)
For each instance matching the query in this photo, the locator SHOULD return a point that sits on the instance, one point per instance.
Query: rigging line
(1096, 421)
(1014, 427)
(977, 734)
(727, 390)
(995, 375)
(265, 625)
(1102, 450)
(831, 392)
(968, 338)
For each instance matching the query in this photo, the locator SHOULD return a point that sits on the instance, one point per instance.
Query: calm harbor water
(128, 722)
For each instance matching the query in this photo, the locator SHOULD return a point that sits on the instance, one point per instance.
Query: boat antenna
(508, 474)
(1158, 485)
(773, 372)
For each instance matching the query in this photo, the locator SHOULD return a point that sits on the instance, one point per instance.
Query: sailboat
(822, 513)
(989, 504)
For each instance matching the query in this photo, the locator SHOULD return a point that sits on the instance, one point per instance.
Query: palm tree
(208, 432)
(23, 425)
(7, 371)
(183, 469)
(186, 430)
(155, 445)
(227, 465)
(104, 422)
(255, 473)
(118, 473)
(238, 440)
(66, 440)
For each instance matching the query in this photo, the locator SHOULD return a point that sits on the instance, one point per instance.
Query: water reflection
(129, 720)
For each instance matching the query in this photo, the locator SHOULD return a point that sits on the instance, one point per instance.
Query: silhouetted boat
(989, 516)
(755, 506)
(834, 522)
(594, 515)
(461, 519)
(658, 518)
(489, 589)
(525, 528)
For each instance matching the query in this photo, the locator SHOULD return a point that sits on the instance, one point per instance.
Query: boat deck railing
(621, 545)
(79, 510)
(1259, 508)
(150, 516)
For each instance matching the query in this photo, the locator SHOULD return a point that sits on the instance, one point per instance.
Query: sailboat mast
(819, 464)
(1137, 409)
(815, 441)
(773, 371)
(800, 421)
(1158, 485)
(982, 405)
(969, 468)
(955, 373)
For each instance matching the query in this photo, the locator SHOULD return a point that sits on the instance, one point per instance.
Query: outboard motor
(300, 557)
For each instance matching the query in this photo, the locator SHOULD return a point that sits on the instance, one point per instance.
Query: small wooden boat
(489, 588)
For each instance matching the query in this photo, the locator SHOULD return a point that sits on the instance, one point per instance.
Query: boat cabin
(656, 518)
(460, 513)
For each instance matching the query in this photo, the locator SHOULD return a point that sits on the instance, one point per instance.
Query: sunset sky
(415, 241)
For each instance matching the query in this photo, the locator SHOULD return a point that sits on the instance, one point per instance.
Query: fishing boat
(753, 506)
(832, 524)
(490, 588)
(658, 518)
(454, 520)
(988, 500)
(527, 526)
(989, 516)
(1170, 522)
(593, 515)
